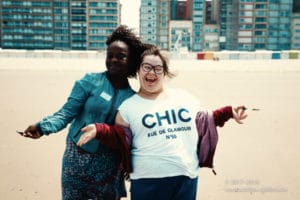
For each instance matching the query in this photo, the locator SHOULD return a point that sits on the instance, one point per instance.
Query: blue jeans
(169, 188)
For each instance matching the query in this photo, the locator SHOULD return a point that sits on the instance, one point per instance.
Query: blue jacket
(92, 99)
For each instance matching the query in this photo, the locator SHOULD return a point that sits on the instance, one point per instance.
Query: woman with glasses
(164, 128)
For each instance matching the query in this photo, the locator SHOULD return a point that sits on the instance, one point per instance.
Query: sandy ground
(257, 160)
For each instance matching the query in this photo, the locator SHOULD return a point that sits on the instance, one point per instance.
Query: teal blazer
(92, 99)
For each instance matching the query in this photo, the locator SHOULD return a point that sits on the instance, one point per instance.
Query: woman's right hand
(89, 133)
(32, 132)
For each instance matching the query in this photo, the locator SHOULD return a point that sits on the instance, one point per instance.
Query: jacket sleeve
(118, 138)
(72, 108)
(222, 115)
(208, 138)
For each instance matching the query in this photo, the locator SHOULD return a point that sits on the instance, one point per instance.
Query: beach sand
(256, 160)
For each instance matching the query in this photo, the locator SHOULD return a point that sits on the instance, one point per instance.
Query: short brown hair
(153, 50)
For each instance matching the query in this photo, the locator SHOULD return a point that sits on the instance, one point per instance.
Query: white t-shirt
(165, 138)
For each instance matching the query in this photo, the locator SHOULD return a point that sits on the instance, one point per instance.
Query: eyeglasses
(158, 69)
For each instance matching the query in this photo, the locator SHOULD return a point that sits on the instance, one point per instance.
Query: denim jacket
(92, 99)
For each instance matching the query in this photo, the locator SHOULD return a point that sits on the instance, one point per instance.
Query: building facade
(198, 21)
(250, 25)
(154, 22)
(265, 24)
(211, 37)
(180, 35)
(27, 24)
(228, 22)
(149, 21)
(58, 24)
(245, 25)
(295, 43)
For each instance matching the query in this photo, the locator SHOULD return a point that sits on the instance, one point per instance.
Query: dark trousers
(169, 188)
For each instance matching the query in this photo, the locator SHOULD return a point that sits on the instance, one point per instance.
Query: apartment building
(295, 41)
(264, 24)
(198, 21)
(180, 35)
(154, 22)
(245, 25)
(58, 24)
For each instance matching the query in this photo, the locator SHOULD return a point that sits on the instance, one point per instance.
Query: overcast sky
(130, 13)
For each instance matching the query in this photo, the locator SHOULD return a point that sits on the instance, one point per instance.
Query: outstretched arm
(225, 113)
(60, 119)
(115, 137)
(104, 133)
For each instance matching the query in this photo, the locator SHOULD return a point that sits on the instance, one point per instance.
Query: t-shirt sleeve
(124, 111)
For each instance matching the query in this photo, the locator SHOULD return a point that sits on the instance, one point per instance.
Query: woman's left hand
(239, 114)
(89, 133)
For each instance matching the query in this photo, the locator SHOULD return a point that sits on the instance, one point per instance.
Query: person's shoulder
(94, 78)
(94, 75)
(132, 98)
(130, 101)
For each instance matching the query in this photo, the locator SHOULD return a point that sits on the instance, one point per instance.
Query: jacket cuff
(99, 127)
(222, 115)
(38, 127)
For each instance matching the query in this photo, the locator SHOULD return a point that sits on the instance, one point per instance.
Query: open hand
(239, 114)
(89, 133)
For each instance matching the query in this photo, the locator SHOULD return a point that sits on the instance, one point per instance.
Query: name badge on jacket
(105, 96)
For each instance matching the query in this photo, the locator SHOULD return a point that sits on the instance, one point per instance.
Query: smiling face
(117, 59)
(151, 83)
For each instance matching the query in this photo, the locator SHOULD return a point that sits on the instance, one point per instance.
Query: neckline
(162, 96)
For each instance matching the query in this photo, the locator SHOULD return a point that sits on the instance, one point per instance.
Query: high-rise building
(149, 21)
(210, 37)
(180, 35)
(210, 28)
(61, 25)
(279, 18)
(154, 22)
(103, 16)
(296, 6)
(198, 21)
(270, 28)
(163, 22)
(208, 12)
(228, 22)
(58, 24)
(255, 24)
(295, 28)
(173, 11)
(27, 24)
(181, 10)
(180, 28)
(244, 25)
